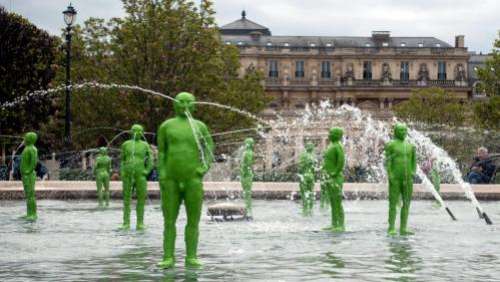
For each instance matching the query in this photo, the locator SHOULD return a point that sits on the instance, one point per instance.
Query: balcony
(278, 82)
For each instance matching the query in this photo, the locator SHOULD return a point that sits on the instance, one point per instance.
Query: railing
(273, 81)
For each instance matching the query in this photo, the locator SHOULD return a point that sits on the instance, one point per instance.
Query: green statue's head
(400, 131)
(335, 134)
(103, 151)
(184, 101)
(249, 143)
(30, 138)
(309, 147)
(137, 131)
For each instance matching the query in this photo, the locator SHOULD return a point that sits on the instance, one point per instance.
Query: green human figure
(29, 159)
(401, 165)
(185, 149)
(136, 164)
(246, 174)
(333, 177)
(307, 165)
(102, 172)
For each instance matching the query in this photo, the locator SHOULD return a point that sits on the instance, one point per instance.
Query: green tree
(27, 63)
(487, 113)
(168, 46)
(434, 106)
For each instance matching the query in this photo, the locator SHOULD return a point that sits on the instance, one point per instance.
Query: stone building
(373, 72)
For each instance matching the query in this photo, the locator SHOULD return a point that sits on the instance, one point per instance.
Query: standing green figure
(29, 159)
(401, 165)
(307, 165)
(136, 164)
(102, 172)
(246, 174)
(333, 177)
(185, 149)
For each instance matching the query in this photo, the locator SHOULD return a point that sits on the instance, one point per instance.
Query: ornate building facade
(373, 73)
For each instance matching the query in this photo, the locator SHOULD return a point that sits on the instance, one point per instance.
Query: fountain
(247, 250)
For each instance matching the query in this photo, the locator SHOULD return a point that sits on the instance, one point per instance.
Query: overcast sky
(478, 20)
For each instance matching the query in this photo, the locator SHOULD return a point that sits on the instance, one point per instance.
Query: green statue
(307, 165)
(401, 165)
(333, 177)
(29, 159)
(185, 149)
(136, 164)
(102, 172)
(246, 174)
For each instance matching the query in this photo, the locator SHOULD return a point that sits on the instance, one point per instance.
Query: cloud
(477, 20)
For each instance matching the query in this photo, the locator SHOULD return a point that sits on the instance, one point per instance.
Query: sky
(478, 20)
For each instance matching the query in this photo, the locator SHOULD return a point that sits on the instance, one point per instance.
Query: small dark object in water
(226, 211)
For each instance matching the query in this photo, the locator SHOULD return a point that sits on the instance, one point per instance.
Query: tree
(27, 63)
(433, 106)
(487, 113)
(489, 75)
(168, 46)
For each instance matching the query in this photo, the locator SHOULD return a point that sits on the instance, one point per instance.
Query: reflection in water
(403, 261)
(336, 264)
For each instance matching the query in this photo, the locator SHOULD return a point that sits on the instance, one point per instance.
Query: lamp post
(69, 19)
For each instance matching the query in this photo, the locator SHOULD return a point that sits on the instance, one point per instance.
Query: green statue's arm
(339, 161)
(210, 146)
(388, 159)
(413, 160)
(31, 159)
(94, 169)
(109, 166)
(150, 159)
(161, 140)
(123, 159)
(302, 164)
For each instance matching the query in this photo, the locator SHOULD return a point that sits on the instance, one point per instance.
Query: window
(442, 70)
(405, 71)
(367, 70)
(273, 68)
(228, 43)
(329, 44)
(240, 43)
(403, 44)
(286, 44)
(367, 45)
(326, 69)
(299, 69)
(385, 44)
(420, 45)
(269, 44)
(438, 45)
(312, 45)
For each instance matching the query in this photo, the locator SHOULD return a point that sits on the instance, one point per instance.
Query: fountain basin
(75, 241)
(226, 211)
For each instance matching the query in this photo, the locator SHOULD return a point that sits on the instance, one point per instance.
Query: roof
(243, 26)
(333, 41)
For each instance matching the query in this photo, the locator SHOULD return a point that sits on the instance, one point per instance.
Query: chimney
(460, 41)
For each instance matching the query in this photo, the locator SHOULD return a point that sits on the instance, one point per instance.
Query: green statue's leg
(407, 190)
(246, 183)
(127, 196)
(333, 207)
(99, 183)
(141, 192)
(170, 204)
(29, 190)
(106, 190)
(193, 200)
(339, 208)
(394, 196)
(324, 196)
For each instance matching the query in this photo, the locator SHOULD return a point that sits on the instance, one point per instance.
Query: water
(76, 241)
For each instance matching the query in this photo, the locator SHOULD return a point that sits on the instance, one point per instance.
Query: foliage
(75, 174)
(487, 113)
(432, 106)
(168, 46)
(490, 74)
(27, 63)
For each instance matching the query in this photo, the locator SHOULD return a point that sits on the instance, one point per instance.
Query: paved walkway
(13, 190)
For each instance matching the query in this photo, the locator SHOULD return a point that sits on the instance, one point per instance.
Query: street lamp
(69, 19)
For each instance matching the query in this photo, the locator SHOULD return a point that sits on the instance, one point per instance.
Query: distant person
(482, 169)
